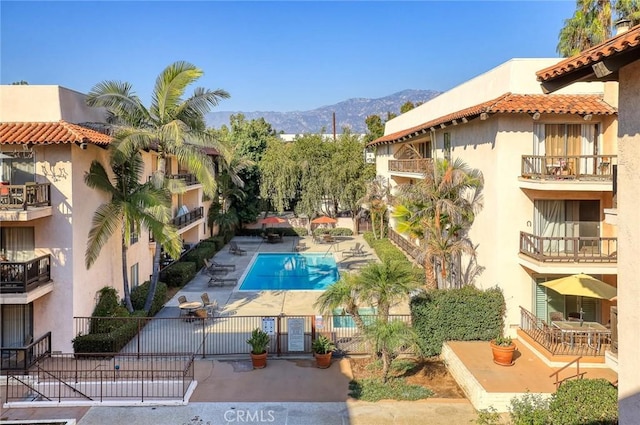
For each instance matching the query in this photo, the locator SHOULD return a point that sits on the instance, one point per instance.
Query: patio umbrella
(324, 220)
(582, 285)
(273, 220)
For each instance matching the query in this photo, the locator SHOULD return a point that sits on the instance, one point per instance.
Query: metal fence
(228, 334)
(98, 378)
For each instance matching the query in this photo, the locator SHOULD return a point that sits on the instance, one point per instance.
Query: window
(17, 324)
(134, 276)
(17, 243)
(447, 146)
(133, 235)
(563, 144)
(424, 149)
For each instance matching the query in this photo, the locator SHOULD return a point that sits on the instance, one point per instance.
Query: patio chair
(211, 267)
(210, 306)
(301, 247)
(235, 249)
(181, 300)
(219, 281)
(556, 316)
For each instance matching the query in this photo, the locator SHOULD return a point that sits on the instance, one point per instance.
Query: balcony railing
(188, 179)
(405, 245)
(569, 167)
(25, 196)
(410, 165)
(589, 342)
(188, 218)
(20, 277)
(22, 358)
(566, 249)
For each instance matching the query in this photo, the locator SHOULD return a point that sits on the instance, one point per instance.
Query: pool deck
(250, 303)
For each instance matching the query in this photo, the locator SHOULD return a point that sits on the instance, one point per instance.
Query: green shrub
(199, 254)
(108, 302)
(465, 314)
(385, 250)
(373, 389)
(112, 341)
(179, 273)
(585, 401)
(285, 231)
(489, 416)
(333, 231)
(529, 409)
(139, 297)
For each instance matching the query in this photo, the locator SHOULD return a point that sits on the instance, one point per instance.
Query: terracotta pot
(323, 361)
(503, 356)
(259, 361)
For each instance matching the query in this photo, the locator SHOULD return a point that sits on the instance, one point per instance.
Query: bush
(107, 304)
(385, 250)
(585, 401)
(110, 342)
(199, 254)
(465, 314)
(179, 273)
(529, 409)
(373, 389)
(139, 297)
(285, 231)
(337, 231)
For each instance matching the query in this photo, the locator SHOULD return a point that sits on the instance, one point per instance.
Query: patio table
(590, 329)
(190, 308)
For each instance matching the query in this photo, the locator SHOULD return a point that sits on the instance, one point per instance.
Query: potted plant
(259, 342)
(503, 348)
(322, 349)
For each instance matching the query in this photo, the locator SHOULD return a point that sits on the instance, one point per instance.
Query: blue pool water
(290, 271)
(343, 320)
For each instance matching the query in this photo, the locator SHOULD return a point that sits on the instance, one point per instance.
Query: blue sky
(274, 56)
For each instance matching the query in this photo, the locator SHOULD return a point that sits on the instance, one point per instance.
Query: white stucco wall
(628, 243)
(45, 104)
(515, 76)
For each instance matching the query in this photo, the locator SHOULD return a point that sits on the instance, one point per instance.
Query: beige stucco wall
(45, 104)
(515, 76)
(629, 246)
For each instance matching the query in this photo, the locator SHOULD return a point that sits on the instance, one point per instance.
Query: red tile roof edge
(50, 132)
(616, 44)
(514, 103)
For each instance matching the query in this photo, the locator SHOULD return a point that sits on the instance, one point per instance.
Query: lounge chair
(301, 247)
(212, 267)
(220, 281)
(355, 251)
(235, 249)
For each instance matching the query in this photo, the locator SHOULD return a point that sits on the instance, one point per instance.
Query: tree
(440, 208)
(171, 126)
(389, 339)
(592, 23)
(132, 206)
(343, 294)
(377, 196)
(20, 83)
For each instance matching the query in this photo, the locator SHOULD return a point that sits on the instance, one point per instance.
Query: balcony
(418, 166)
(22, 277)
(188, 179)
(22, 358)
(25, 202)
(578, 249)
(586, 172)
(190, 217)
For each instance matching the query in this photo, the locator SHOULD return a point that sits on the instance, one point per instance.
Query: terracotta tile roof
(50, 132)
(620, 43)
(512, 103)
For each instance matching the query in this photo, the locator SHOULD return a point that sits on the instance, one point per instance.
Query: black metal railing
(227, 334)
(21, 197)
(20, 277)
(587, 342)
(188, 218)
(568, 167)
(100, 378)
(22, 358)
(410, 165)
(566, 249)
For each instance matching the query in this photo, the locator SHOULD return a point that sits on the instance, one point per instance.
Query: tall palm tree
(171, 126)
(592, 23)
(376, 198)
(441, 208)
(131, 206)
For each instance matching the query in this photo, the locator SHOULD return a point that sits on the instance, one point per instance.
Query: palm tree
(171, 126)
(591, 23)
(132, 205)
(342, 294)
(388, 339)
(384, 284)
(376, 199)
(441, 208)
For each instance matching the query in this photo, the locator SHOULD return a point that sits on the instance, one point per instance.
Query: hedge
(465, 314)
(333, 231)
(199, 254)
(139, 297)
(584, 401)
(285, 231)
(385, 250)
(110, 342)
(179, 273)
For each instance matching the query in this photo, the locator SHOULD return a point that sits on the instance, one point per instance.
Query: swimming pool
(290, 271)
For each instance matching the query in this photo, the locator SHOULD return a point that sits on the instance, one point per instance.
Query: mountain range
(349, 113)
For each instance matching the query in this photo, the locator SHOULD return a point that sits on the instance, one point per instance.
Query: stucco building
(48, 138)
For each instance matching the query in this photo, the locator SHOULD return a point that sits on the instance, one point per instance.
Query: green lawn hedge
(385, 250)
(179, 273)
(466, 314)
